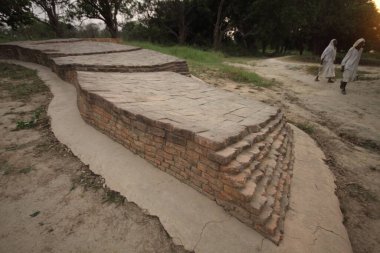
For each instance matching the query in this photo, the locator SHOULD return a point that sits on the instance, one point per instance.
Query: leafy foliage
(15, 13)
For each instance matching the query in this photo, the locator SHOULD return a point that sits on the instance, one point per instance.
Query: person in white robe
(350, 63)
(327, 68)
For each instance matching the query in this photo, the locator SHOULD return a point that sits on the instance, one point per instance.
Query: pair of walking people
(349, 63)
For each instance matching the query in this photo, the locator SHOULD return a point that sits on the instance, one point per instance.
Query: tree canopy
(279, 24)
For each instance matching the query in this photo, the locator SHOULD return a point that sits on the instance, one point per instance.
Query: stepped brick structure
(236, 151)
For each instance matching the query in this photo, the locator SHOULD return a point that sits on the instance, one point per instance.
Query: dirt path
(346, 127)
(50, 201)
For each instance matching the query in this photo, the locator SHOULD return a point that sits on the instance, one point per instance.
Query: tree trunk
(217, 30)
(56, 28)
(112, 28)
(54, 21)
(113, 31)
(264, 48)
(182, 33)
(182, 36)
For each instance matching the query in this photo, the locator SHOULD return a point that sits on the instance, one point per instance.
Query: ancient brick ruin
(236, 151)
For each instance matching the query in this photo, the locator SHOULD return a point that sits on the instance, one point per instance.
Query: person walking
(327, 68)
(350, 64)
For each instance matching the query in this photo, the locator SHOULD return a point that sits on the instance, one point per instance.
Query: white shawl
(329, 53)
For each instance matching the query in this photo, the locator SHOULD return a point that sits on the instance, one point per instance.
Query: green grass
(19, 81)
(306, 127)
(25, 170)
(25, 124)
(209, 62)
(34, 214)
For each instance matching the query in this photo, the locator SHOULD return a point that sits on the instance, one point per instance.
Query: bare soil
(51, 201)
(345, 127)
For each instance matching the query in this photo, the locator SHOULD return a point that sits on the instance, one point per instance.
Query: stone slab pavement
(138, 58)
(74, 47)
(314, 222)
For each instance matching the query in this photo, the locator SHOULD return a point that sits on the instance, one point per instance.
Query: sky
(377, 2)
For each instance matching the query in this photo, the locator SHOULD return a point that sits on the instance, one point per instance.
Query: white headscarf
(358, 42)
(359, 56)
(330, 49)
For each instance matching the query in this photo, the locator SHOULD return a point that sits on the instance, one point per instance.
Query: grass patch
(113, 197)
(306, 127)
(209, 62)
(25, 170)
(36, 213)
(242, 76)
(19, 81)
(25, 124)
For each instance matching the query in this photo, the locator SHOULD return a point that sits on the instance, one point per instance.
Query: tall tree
(218, 25)
(55, 11)
(105, 10)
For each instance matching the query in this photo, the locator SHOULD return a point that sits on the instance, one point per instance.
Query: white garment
(328, 58)
(348, 76)
(351, 62)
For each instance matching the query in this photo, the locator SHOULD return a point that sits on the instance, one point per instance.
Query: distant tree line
(258, 24)
(279, 25)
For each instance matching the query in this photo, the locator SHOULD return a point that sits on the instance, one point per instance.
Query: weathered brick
(183, 133)
(211, 164)
(209, 178)
(203, 167)
(139, 125)
(139, 145)
(205, 142)
(231, 191)
(156, 131)
(158, 139)
(208, 189)
(196, 171)
(192, 156)
(198, 178)
(176, 139)
(171, 150)
(191, 145)
(181, 163)
(165, 165)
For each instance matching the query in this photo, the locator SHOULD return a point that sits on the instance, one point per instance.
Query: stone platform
(236, 151)
(132, 61)
(66, 57)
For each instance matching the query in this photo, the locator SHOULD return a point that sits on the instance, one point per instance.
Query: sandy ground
(346, 128)
(51, 202)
